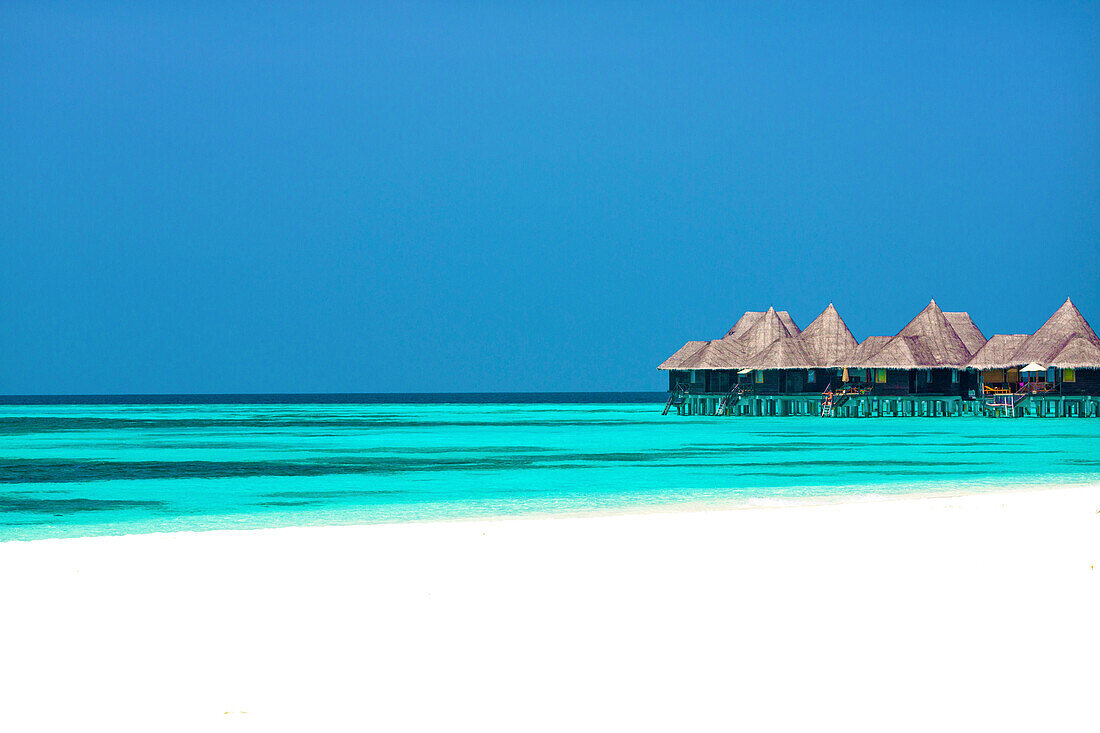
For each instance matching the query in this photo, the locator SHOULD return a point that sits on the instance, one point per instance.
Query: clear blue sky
(298, 196)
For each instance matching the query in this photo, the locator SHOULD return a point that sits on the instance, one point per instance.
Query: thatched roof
(932, 339)
(718, 354)
(997, 352)
(1079, 352)
(927, 340)
(763, 332)
(753, 332)
(749, 318)
(744, 323)
(967, 330)
(865, 350)
(785, 353)
(1043, 345)
(792, 327)
(827, 339)
(676, 360)
(901, 352)
(822, 343)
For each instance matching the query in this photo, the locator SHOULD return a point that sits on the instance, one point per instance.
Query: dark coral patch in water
(335, 494)
(10, 503)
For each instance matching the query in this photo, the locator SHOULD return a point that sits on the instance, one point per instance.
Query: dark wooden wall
(897, 383)
(1087, 382)
(794, 381)
(797, 381)
(770, 385)
(941, 384)
(720, 380)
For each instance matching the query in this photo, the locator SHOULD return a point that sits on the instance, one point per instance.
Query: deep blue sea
(78, 466)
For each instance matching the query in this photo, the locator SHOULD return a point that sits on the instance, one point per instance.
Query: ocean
(72, 467)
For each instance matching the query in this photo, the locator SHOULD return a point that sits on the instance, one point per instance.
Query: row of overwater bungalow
(940, 364)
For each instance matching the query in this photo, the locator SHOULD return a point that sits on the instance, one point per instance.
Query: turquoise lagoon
(71, 470)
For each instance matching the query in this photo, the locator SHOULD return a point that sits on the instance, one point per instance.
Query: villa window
(811, 377)
(1052, 374)
(954, 376)
(880, 376)
(1069, 375)
(758, 376)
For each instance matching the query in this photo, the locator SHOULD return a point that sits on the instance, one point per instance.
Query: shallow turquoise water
(75, 470)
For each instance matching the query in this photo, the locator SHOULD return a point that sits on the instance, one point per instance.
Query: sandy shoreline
(953, 612)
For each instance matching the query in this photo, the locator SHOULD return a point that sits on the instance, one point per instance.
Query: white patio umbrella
(1033, 367)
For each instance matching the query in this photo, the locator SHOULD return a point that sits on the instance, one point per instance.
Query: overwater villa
(940, 364)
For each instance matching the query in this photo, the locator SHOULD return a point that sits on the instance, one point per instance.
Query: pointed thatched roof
(753, 332)
(928, 340)
(761, 334)
(792, 327)
(1079, 352)
(902, 352)
(749, 318)
(827, 339)
(932, 339)
(677, 359)
(821, 345)
(997, 352)
(1043, 345)
(718, 354)
(940, 345)
(744, 323)
(785, 353)
(972, 336)
(867, 348)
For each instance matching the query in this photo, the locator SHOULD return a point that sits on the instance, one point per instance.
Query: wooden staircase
(1004, 403)
(675, 397)
(729, 400)
(832, 399)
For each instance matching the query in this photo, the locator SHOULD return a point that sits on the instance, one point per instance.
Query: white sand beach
(969, 613)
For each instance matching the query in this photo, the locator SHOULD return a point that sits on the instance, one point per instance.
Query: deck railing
(1038, 387)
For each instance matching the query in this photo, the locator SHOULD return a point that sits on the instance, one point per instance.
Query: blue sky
(285, 197)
